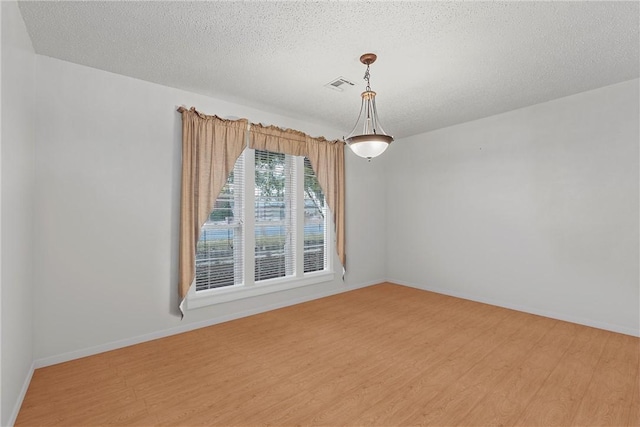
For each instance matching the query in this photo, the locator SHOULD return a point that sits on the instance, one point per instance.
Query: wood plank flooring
(383, 355)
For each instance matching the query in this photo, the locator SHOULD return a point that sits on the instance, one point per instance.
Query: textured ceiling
(439, 63)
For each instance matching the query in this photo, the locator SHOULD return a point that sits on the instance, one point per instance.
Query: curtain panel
(327, 161)
(210, 148)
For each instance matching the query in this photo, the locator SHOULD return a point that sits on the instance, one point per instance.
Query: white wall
(535, 209)
(107, 212)
(17, 201)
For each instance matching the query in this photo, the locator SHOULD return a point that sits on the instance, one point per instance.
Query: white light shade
(368, 147)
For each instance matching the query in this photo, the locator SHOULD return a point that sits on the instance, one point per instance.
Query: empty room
(319, 213)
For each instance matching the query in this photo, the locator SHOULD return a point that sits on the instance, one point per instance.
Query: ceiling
(439, 63)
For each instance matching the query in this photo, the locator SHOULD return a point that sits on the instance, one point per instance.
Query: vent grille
(339, 84)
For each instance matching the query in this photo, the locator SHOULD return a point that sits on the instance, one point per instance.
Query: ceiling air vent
(339, 84)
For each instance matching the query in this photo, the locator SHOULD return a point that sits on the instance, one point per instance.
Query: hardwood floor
(383, 355)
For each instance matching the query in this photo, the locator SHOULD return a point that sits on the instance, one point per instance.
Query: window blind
(315, 213)
(274, 215)
(220, 242)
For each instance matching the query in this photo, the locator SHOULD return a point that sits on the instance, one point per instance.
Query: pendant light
(373, 140)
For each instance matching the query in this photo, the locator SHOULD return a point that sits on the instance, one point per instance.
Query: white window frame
(249, 287)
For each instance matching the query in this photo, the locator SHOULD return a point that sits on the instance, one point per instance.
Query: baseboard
(114, 345)
(526, 309)
(23, 392)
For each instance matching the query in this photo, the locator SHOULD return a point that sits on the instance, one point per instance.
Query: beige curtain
(327, 160)
(210, 148)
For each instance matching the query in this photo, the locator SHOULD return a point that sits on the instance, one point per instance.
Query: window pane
(219, 248)
(273, 231)
(314, 222)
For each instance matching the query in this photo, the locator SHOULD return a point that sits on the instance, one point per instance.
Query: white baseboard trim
(531, 310)
(114, 345)
(23, 392)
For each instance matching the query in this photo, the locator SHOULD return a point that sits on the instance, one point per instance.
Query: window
(272, 203)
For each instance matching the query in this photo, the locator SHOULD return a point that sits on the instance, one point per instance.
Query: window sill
(232, 293)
